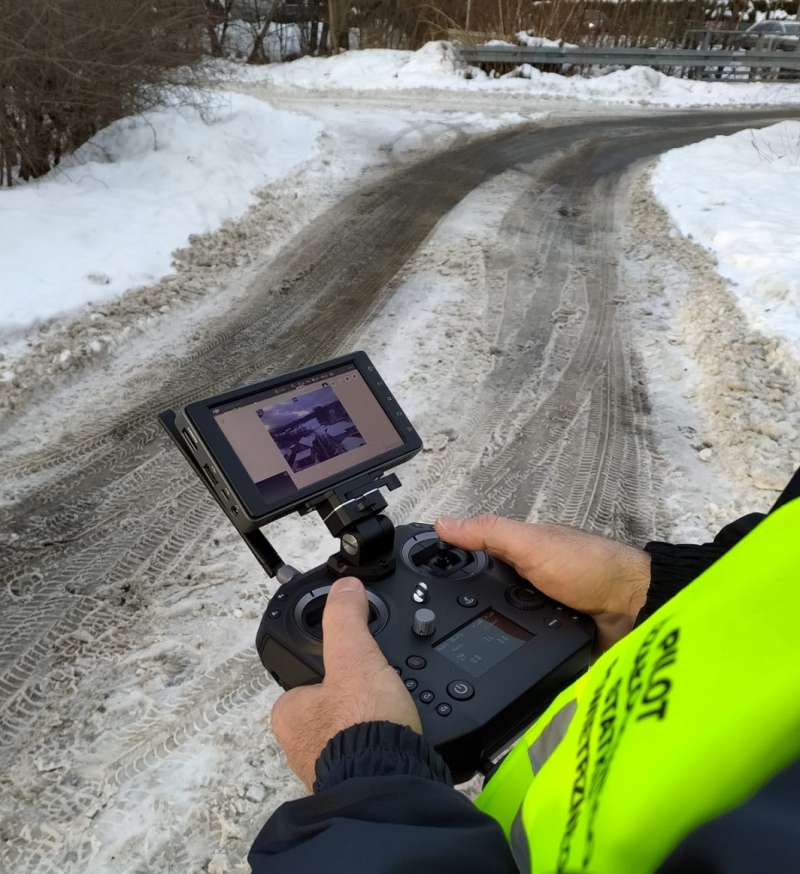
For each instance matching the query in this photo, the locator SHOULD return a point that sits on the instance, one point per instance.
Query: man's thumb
(502, 537)
(346, 639)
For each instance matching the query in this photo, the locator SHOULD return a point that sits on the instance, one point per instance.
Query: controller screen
(484, 643)
(297, 434)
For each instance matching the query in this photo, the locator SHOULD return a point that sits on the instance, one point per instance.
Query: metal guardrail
(694, 59)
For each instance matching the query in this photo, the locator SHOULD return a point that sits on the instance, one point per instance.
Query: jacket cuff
(377, 749)
(672, 568)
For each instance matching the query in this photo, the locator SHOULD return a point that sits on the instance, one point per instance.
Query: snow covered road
(501, 288)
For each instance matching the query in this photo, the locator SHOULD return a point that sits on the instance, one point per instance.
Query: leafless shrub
(391, 24)
(634, 23)
(642, 23)
(70, 67)
(248, 29)
(781, 143)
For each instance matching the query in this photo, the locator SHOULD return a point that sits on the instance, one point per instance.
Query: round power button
(461, 690)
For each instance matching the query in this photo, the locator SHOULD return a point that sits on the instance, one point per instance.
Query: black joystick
(440, 558)
(445, 557)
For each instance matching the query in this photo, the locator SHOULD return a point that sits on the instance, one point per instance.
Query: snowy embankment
(735, 197)
(110, 217)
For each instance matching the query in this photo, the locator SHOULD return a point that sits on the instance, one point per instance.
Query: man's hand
(359, 685)
(601, 577)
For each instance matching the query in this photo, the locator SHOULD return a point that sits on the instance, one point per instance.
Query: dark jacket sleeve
(674, 565)
(383, 803)
(761, 834)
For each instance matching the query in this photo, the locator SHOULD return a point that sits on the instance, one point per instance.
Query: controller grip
(285, 667)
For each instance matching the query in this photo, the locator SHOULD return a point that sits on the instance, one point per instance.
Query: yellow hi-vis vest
(682, 720)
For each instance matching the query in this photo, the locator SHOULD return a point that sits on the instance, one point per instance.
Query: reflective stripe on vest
(683, 719)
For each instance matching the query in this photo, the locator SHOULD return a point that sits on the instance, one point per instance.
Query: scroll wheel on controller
(524, 597)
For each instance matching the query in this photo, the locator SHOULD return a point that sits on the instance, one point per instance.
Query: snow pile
(435, 65)
(541, 42)
(737, 197)
(112, 214)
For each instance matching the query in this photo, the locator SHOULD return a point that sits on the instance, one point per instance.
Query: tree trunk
(337, 19)
(211, 31)
(260, 37)
(213, 39)
(333, 24)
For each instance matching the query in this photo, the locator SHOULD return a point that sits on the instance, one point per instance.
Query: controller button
(281, 596)
(411, 684)
(397, 670)
(444, 710)
(426, 697)
(524, 597)
(460, 690)
(553, 622)
(274, 614)
(424, 622)
(467, 601)
(421, 594)
(415, 662)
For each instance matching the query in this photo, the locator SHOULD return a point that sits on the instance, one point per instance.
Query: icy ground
(718, 334)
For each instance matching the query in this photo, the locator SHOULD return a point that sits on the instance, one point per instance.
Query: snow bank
(435, 65)
(110, 216)
(737, 197)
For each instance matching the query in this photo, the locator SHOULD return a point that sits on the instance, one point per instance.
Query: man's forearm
(383, 803)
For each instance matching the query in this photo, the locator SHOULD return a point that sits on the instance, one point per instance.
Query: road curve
(101, 525)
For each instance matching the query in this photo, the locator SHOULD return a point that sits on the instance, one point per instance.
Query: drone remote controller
(479, 649)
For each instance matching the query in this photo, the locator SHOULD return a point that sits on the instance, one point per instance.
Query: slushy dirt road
(131, 699)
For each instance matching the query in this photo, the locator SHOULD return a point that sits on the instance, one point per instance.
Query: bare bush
(70, 67)
(246, 29)
(633, 24)
(394, 24)
(260, 31)
(588, 22)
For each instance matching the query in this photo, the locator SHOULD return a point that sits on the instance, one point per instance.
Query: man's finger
(505, 538)
(346, 639)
